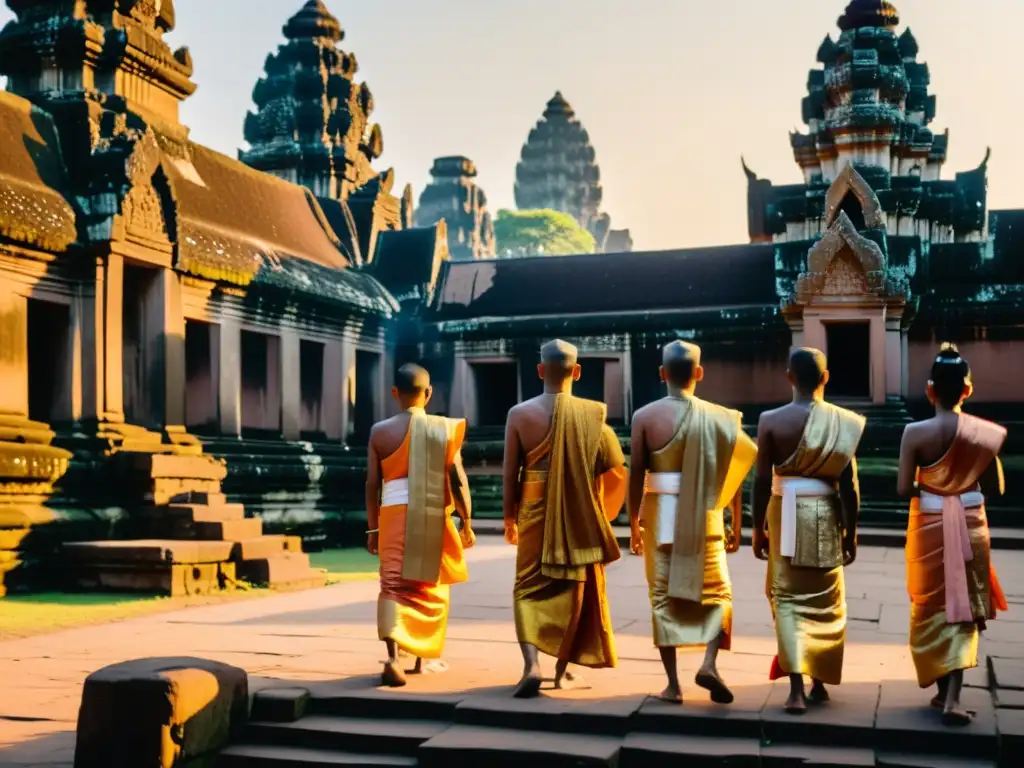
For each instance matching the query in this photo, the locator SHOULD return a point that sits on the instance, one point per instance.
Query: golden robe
(807, 590)
(942, 642)
(713, 456)
(573, 485)
(420, 549)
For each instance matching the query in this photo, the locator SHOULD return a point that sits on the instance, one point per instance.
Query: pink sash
(956, 553)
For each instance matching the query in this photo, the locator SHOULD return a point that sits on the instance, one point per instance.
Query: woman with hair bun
(948, 465)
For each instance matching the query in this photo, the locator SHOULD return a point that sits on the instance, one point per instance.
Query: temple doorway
(142, 347)
(201, 406)
(311, 388)
(365, 406)
(261, 384)
(497, 390)
(49, 388)
(848, 346)
(591, 383)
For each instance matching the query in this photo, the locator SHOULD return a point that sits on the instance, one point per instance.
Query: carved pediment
(845, 277)
(848, 182)
(145, 207)
(843, 263)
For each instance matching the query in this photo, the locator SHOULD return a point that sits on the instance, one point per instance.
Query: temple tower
(873, 199)
(312, 120)
(453, 195)
(558, 166)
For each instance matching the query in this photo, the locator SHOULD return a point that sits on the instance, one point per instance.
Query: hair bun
(948, 353)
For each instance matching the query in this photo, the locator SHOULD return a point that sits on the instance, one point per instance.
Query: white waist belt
(664, 487)
(395, 492)
(789, 488)
(932, 503)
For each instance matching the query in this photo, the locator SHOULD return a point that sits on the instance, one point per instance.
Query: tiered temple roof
(312, 123)
(453, 195)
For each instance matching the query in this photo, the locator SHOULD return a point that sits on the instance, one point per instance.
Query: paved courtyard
(330, 634)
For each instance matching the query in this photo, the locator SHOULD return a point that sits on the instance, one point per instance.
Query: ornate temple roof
(312, 119)
(558, 167)
(34, 208)
(869, 13)
(607, 284)
(454, 196)
(409, 261)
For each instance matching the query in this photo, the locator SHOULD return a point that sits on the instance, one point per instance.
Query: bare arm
(849, 497)
(763, 473)
(510, 471)
(460, 489)
(373, 483)
(905, 481)
(637, 470)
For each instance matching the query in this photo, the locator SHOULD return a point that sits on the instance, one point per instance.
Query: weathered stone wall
(997, 367)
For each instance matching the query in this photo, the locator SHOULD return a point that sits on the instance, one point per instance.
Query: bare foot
(671, 695)
(529, 685)
(417, 667)
(818, 694)
(938, 701)
(796, 704)
(392, 676)
(955, 716)
(709, 680)
(568, 681)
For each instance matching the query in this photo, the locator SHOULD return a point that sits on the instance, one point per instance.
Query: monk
(415, 482)
(564, 480)
(949, 464)
(806, 487)
(688, 461)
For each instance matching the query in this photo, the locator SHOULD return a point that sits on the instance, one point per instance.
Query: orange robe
(574, 484)
(417, 570)
(948, 556)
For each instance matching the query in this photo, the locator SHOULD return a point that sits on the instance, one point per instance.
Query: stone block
(700, 717)
(642, 750)
(1007, 673)
(280, 569)
(204, 513)
(264, 547)
(229, 530)
(159, 712)
(848, 720)
(786, 755)
(171, 579)
(280, 705)
(150, 551)
(210, 498)
(906, 723)
(1011, 737)
(246, 756)
(475, 745)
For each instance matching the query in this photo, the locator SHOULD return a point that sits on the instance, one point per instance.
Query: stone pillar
(380, 398)
(332, 407)
(172, 323)
(463, 404)
(878, 359)
(893, 358)
(291, 389)
(627, 386)
(904, 364)
(113, 350)
(613, 389)
(348, 386)
(87, 317)
(13, 350)
(814, 334)
(229, 384)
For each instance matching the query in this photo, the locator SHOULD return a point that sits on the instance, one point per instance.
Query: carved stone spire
(557, 168)
(107, 50)
(312, 120)
(454, 196)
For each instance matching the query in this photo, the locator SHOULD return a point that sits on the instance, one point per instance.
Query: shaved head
(560, 353)
(679, 360)
(808, 369)
(559, 361)
(412, 379)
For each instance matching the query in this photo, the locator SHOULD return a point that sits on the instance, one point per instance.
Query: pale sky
(672, 92)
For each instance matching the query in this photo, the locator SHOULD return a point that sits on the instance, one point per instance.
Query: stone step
(501, 747)
(642, 750)
(229, 530)
(200, 497)
(279, 705)
(263, 547)
(282, 569)
(170, 579)
(155, 551)
(351, 734)
(202, 513)
(253, 756)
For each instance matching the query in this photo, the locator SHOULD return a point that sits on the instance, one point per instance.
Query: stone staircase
(187, 538)
(879, 725)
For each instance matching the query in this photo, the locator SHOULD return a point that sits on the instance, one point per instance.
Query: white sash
(789, 488)
(664, 487)
(932, 503)
(395, 492)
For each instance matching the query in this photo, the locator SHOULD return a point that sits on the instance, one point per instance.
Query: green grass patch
(355, 564)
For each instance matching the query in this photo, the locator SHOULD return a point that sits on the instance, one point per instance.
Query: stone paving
(329, 634)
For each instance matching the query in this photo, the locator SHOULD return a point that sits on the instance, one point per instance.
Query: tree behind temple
(541, 232)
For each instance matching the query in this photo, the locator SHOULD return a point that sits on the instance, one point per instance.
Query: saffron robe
(807, 590)
(573, 485)
(710, 455)
(942, 640)
(420, 549)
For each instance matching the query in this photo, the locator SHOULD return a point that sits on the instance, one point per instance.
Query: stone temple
(193, 346)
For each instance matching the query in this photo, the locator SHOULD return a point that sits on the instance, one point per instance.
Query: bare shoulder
(768, 418)
(641, 415)
(913, 432)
